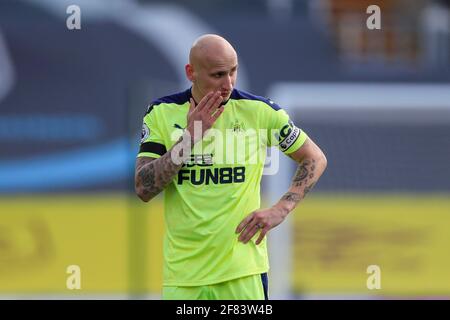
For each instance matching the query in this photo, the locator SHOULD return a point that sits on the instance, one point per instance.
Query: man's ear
(189, 72)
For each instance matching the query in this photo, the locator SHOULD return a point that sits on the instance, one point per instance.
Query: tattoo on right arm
(153, 175)
(147, 178)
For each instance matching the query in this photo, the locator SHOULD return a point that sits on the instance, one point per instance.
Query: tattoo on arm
(304, 174)
(146, 176)
(152, 176)
(291, 197)
(308, 189)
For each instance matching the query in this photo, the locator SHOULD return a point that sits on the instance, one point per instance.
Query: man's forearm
(306, 176)
(152, 177)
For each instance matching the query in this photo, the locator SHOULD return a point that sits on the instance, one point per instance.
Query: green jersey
(217, 187)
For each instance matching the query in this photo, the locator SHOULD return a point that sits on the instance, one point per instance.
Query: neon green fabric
(246, 288)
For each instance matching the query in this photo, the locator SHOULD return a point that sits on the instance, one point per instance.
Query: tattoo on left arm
(305, 172)
(308, 189)
(302, 182)
(301, 174)
(291, 197)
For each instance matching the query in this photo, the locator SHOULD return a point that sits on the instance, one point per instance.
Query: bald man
(206, 148)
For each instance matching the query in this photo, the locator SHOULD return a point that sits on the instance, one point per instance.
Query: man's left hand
(260, 220)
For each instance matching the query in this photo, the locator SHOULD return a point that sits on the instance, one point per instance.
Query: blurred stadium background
(376, 101)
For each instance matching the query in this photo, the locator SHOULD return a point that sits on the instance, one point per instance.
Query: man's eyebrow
(224, 70)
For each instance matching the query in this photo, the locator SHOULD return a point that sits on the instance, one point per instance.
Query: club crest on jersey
(145, 132)
(238, 127)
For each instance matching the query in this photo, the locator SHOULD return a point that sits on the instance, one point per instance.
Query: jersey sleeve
(283, 132)
(152, 143)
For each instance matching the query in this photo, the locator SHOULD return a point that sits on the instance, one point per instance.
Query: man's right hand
(201, 117)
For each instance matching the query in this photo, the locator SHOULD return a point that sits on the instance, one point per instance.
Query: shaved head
(212, 66)
(210, 46)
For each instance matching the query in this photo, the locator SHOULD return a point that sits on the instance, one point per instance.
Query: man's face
(215, 74)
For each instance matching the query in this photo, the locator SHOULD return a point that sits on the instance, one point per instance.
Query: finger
(244, 223)
(202, 104)
(248, 233)
(211, 101)
(215, 102)
(262, 235)
(250, 228)
(216, 115)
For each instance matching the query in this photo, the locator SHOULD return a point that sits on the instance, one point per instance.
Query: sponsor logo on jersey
(212, 175)
(194, 171)
(199, 160)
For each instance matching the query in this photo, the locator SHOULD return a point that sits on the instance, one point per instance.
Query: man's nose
(228, 84)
